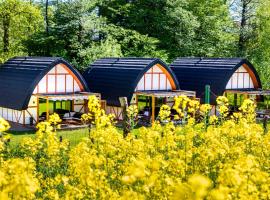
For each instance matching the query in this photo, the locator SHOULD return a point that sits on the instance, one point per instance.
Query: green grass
(74, 136)
(16, 137)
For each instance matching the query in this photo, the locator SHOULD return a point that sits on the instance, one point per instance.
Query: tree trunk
(46, 16)
(80, 35)
(6, 25)
(241, 42)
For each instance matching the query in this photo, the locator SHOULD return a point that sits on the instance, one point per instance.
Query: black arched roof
(194, 73)
(20, 75)
(119, 77)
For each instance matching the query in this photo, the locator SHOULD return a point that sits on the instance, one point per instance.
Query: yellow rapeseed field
(216, 157)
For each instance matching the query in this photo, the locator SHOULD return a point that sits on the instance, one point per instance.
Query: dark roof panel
(194, 73)
(20, 75)
(119, 77)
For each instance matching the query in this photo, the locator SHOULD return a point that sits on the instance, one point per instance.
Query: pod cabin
(146, 82)
(225, 76)
(34, 87)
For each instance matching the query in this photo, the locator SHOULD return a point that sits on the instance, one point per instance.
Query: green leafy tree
(215, 35)
(79, 34)
(134, 44)
(258, 49)
(74, 25)
(105, 48)
(244, 14)
(19, 19)
(169, 21)
(117, 42)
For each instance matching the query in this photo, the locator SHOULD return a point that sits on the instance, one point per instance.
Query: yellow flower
(222, 100)
(18, 179)
(191, 121)
(96, 115)
(213, 120)
(237, 116)
(54, 120)
(4, 125)
(180, 105)
(132, 111)
(229, 160)
(199, 185)
(196, 188)
(248, 110)
(205, 108)
(164, 113)
(193, 107)
(222, 106)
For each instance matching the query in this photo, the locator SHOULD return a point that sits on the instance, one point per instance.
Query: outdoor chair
(72, 117)
(61, 112)
(144, 116)
(42, 117)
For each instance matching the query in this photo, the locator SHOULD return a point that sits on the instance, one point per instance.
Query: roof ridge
(119, 58)
(212, 58)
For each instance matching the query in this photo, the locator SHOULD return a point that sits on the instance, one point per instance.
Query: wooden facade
(59, 80)
(157, 78)
(221, 74)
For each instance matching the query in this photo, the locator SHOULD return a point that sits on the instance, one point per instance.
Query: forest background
(82, 31)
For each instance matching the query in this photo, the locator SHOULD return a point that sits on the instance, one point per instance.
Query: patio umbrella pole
(47, 108)
(153, 108)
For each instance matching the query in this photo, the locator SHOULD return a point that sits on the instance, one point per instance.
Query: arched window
(59, 80)
(156, 78)
(240, 79)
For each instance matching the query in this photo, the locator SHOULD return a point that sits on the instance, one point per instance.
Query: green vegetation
(82, 31)
(206, 157)
(73, 136)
